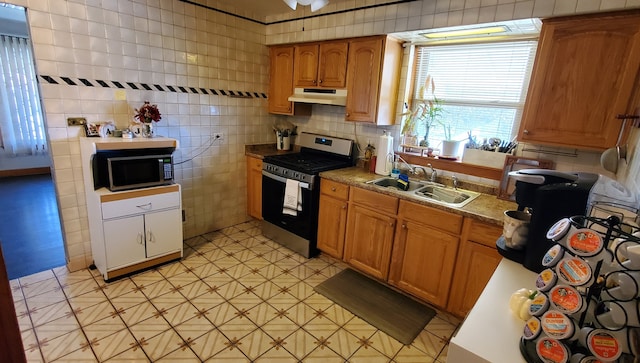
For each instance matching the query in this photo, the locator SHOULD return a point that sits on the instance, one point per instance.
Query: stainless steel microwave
(132, 169)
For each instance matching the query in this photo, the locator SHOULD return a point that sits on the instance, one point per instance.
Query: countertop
(472, 344)
(487, 208)
(261, 150)
(117, 143)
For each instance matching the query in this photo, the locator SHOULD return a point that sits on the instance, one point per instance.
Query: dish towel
(292, 198)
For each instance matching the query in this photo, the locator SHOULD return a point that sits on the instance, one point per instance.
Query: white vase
(147, 129)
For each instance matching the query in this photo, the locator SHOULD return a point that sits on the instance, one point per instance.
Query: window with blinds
(482, 88)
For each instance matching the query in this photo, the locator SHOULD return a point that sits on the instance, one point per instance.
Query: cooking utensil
(610, 157)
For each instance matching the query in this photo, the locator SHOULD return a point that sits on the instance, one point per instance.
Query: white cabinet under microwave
(141, 228)
(133, 229)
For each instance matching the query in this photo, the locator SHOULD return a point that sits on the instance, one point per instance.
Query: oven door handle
(303, 185)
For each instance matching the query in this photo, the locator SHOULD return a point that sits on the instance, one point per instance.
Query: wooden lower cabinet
(254, 187)
(434, 255)
(371, 224)
(477, 260)
(424, 255)
(332, 217)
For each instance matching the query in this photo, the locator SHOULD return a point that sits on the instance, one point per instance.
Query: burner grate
(307, 163)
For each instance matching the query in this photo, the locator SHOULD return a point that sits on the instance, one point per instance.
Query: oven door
(305, 223)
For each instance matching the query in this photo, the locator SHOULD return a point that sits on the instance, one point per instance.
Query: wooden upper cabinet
(373, 74)
(322, 65)
(305, 69)
(281, 83)
(584, 75)
(332, 66)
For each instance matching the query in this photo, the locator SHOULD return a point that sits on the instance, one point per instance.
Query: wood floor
(30, 232)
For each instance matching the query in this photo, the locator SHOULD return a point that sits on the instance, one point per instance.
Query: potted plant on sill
(428, 111)
(450, 147)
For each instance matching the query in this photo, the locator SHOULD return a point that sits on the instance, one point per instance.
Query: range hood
(322, 96)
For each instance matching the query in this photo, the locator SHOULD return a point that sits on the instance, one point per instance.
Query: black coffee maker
(549, 195)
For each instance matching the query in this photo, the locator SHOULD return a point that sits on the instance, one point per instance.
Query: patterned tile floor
(236, 296)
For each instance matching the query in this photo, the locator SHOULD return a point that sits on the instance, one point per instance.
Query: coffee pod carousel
(586, 305)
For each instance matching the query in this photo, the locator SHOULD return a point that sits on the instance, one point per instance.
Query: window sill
(453, 166)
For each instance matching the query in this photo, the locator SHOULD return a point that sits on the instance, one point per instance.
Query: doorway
(30, 230)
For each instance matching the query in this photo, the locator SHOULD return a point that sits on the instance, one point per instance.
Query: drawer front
(374, 200)
(336, 190)
(431, 216)
(145, 204)
(484, 233)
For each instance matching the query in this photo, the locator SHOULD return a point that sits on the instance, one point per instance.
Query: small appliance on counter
(548, 195)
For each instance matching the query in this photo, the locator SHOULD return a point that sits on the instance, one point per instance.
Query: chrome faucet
(418, 167)
(434, 173)
(455, 182)
(411, 169)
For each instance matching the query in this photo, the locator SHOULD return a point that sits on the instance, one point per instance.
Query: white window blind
(482, 87)
(21, 122)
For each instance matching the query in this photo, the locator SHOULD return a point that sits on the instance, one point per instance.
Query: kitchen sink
(446, 195)
(433, 192)
(392, 183)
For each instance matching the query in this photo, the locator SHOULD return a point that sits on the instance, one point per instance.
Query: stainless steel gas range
(293, 178)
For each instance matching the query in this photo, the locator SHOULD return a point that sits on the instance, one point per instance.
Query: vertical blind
(21, 122)
(482, 87)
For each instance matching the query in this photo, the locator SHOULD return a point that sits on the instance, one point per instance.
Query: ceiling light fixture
(467, 32)
(315, 4)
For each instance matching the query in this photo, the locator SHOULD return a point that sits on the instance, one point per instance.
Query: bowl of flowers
(147, 115)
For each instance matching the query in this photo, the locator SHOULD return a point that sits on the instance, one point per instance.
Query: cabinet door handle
(344, 206)
(147, 206)
(150, 237)
(404, 226)
(526, 132)
(140, 238)
(320, 81)
(333, 189)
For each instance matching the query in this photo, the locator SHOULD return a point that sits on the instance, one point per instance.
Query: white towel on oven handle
(292, 198)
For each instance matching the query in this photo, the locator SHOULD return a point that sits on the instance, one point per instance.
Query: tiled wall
(169, 42)
(155, 42)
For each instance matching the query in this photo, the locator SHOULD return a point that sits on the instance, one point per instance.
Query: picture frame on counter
(92, 129)
(99, 129)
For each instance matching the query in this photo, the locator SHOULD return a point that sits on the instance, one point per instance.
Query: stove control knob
(296, 175)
